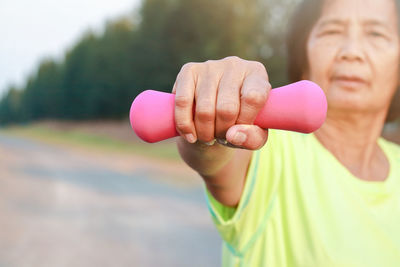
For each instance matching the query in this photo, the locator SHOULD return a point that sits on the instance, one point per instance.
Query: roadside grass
(163, 150)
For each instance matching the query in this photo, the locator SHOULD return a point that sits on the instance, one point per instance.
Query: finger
(184, 89)
(253, 96)
(249, 137)
(205, 95)
(174, 88)
(228, 103)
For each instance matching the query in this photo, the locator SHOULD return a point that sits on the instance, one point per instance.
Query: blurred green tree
(102, 73)
(42, 97)
(10, 106)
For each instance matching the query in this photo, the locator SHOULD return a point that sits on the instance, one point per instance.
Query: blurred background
(77, 187)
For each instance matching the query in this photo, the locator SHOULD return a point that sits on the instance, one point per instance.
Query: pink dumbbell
(299, 107)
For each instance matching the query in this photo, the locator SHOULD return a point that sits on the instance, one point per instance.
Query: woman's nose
(352, 48)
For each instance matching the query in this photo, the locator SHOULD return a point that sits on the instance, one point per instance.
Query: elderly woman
(331, 198)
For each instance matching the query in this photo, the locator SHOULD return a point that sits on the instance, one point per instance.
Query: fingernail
(190, 138)
(211, 143)
(239, 138)
(222, 141)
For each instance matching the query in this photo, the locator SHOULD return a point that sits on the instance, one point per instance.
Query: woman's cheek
(320, 57)
(386, 73)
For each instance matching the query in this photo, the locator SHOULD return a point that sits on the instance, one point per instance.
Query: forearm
(223, 169)
(204, 159)
(220, 98)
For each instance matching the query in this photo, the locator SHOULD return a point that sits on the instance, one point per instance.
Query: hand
(227, 95)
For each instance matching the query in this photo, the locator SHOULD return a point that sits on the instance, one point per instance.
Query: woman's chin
(350, 101)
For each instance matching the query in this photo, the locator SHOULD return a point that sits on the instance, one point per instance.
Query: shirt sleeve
(240, 227)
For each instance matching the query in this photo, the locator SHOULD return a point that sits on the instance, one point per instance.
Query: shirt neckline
(376, 186)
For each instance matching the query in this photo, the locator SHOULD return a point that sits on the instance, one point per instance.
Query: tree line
(102, 73)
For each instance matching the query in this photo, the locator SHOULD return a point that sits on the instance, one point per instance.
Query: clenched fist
(220, 99)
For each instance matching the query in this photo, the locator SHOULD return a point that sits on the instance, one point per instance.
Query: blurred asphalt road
(63, 206)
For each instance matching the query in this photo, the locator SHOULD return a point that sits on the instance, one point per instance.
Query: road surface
(65, 206)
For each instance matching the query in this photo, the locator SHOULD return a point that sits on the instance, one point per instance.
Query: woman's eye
(331, 32)
(376, 34)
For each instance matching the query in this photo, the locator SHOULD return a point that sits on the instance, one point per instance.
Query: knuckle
(259, 66)
(260, 69)
(254, 97)
(236, 64)
(183, 101)
(208, 68)
(183, 126)
(205, 112)
(227, 111)
(209, 62)
(188, 67)
(233, 59)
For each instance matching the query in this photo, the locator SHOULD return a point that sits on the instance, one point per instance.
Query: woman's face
(353, 54)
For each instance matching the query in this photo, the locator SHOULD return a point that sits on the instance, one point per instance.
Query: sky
(31, 30)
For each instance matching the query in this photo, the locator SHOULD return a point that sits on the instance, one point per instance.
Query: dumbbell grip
(299, 107)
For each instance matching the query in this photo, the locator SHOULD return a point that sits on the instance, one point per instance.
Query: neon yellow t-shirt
(300, 207)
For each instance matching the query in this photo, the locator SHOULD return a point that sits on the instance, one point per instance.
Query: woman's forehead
(383, 11)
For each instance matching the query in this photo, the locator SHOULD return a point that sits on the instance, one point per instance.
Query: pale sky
(31, 30)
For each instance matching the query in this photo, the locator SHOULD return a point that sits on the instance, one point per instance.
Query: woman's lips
(349, 82)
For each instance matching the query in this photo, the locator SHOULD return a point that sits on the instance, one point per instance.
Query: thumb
(249, 137)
